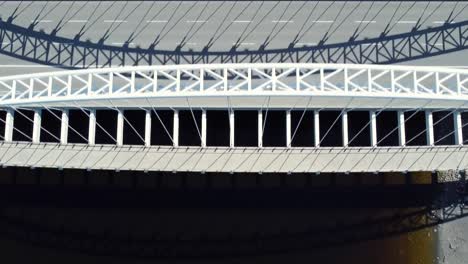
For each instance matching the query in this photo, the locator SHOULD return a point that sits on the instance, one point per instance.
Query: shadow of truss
(39, 47)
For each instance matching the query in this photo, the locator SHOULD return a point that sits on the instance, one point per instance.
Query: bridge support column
(147, 127)
(288, 129)
(203, 128)
(401, 128)
(344, 120)
(260, 128)
(36, 138)
(316, 128)
(175, 132)
(64, 127)
(92, 127)
(120, 127)
(458, 127)
(429, 128)
(231, 131)
(373, 128)
(9, 122)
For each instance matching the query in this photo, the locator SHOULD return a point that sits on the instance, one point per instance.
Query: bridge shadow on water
(49, 49)
(220, 217)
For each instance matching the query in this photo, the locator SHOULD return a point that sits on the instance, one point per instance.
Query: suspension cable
(438, 121)
(160, 120)
(194, 119)
(32, 121)
(266, 115)
(405, 119)
(126, 120)
(335, 121)
(59, 118)
(16, 129)
(97, 123)
(370, 121)
(300, 119)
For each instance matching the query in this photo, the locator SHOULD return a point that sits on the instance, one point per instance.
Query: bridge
(295, 109)
(237, 118)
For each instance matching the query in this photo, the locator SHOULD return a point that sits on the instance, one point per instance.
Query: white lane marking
(188, 43)
(241, 21)
(77, 21)
(365, 21)
(41, 21)
(244, 43)
(323, 21)
(306, 43)
(156, 21)
(406, 22)
(196, 21)
(282, 21)
(115, 21)
(442, 22)
(122, 43)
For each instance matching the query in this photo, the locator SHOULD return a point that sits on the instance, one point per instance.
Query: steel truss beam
(214, 82)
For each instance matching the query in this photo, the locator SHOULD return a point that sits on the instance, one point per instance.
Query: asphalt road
(194, 25)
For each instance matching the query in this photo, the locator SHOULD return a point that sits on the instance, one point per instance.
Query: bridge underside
(253, 101)
(238, 160)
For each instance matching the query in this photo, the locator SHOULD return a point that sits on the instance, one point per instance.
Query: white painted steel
(120, 127)
(36, 137)
(288, 128)
(260, 128)
(64, 126)
(231, 130)
(373, 128)
(316, 128)
(203, 128)
(429, 128)
(147, 127)
(344, 126)
(215, 81)
(401, 128)
(9, 121)
(458, 127)
(92, 127)
(175, 132)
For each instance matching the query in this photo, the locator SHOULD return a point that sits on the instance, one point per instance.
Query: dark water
(91, 217)
(74, 216)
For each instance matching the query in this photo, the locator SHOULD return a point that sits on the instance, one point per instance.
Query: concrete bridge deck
(234, 160)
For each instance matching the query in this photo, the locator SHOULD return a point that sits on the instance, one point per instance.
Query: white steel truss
(237, 80)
